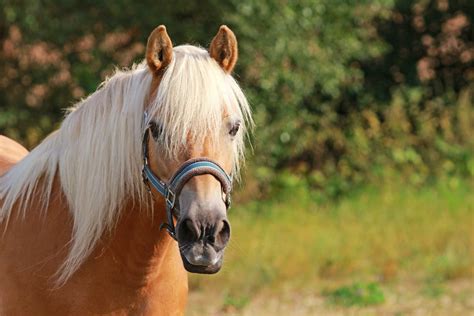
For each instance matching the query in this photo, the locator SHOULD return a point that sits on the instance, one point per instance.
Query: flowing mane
(97, 155)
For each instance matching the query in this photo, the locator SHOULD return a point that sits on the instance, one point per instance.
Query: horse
(108, 214)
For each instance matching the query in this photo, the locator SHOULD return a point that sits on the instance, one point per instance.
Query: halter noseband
(189, 169)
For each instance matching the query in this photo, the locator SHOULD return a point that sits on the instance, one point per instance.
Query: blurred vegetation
(344, 92)
(356, 252)
(389, 232)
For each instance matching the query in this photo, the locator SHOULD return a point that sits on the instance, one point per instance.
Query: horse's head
(194, 128)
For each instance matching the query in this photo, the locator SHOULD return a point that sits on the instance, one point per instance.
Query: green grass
(356, 294)
(235, 302)
(433, 289)
(382, 233)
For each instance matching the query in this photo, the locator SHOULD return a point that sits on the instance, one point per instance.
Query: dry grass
(405, 298)
(392, 236)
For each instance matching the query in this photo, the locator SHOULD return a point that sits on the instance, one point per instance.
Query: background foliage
(344, 92)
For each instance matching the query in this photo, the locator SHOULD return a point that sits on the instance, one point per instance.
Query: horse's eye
(156, 130)
(235, 128)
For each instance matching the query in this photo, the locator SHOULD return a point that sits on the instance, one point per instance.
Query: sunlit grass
(383, 234)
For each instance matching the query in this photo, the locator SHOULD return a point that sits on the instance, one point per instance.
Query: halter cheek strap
(189, 169)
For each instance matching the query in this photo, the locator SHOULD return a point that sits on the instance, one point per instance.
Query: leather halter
(189, 169)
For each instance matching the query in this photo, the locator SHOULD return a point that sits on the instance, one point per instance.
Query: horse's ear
(224, 48)
(159, 50)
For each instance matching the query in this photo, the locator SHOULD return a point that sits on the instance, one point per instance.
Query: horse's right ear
(159, 50)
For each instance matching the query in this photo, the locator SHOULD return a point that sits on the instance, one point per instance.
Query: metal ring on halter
(189, 169)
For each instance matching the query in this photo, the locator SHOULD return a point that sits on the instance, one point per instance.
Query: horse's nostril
(188, 231)
(223, 235)
(211, 239)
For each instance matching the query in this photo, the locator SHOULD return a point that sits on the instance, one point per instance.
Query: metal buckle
(170, 198)
(227, 201)
(145, 117)
(170, 229)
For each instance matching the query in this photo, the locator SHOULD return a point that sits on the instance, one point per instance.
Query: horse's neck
(136, 264)
(137, 244)
(132, 253)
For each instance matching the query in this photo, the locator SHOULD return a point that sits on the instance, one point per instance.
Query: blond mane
(97, 153)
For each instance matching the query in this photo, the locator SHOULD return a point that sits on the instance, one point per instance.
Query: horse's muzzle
(202, 244)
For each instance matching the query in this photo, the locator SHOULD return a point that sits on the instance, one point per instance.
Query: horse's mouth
(210, 268)
(202, 245)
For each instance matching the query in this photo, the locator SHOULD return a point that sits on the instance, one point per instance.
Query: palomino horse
(153, 147)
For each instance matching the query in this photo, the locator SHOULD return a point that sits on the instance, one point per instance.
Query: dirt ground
(450, 298)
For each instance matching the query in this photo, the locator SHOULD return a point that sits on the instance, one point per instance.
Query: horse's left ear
(159, 50)
(224, 49)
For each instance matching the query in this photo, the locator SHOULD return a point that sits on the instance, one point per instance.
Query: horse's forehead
(207, 145)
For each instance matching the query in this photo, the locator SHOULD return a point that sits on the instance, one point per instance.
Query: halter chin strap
(189, 169)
